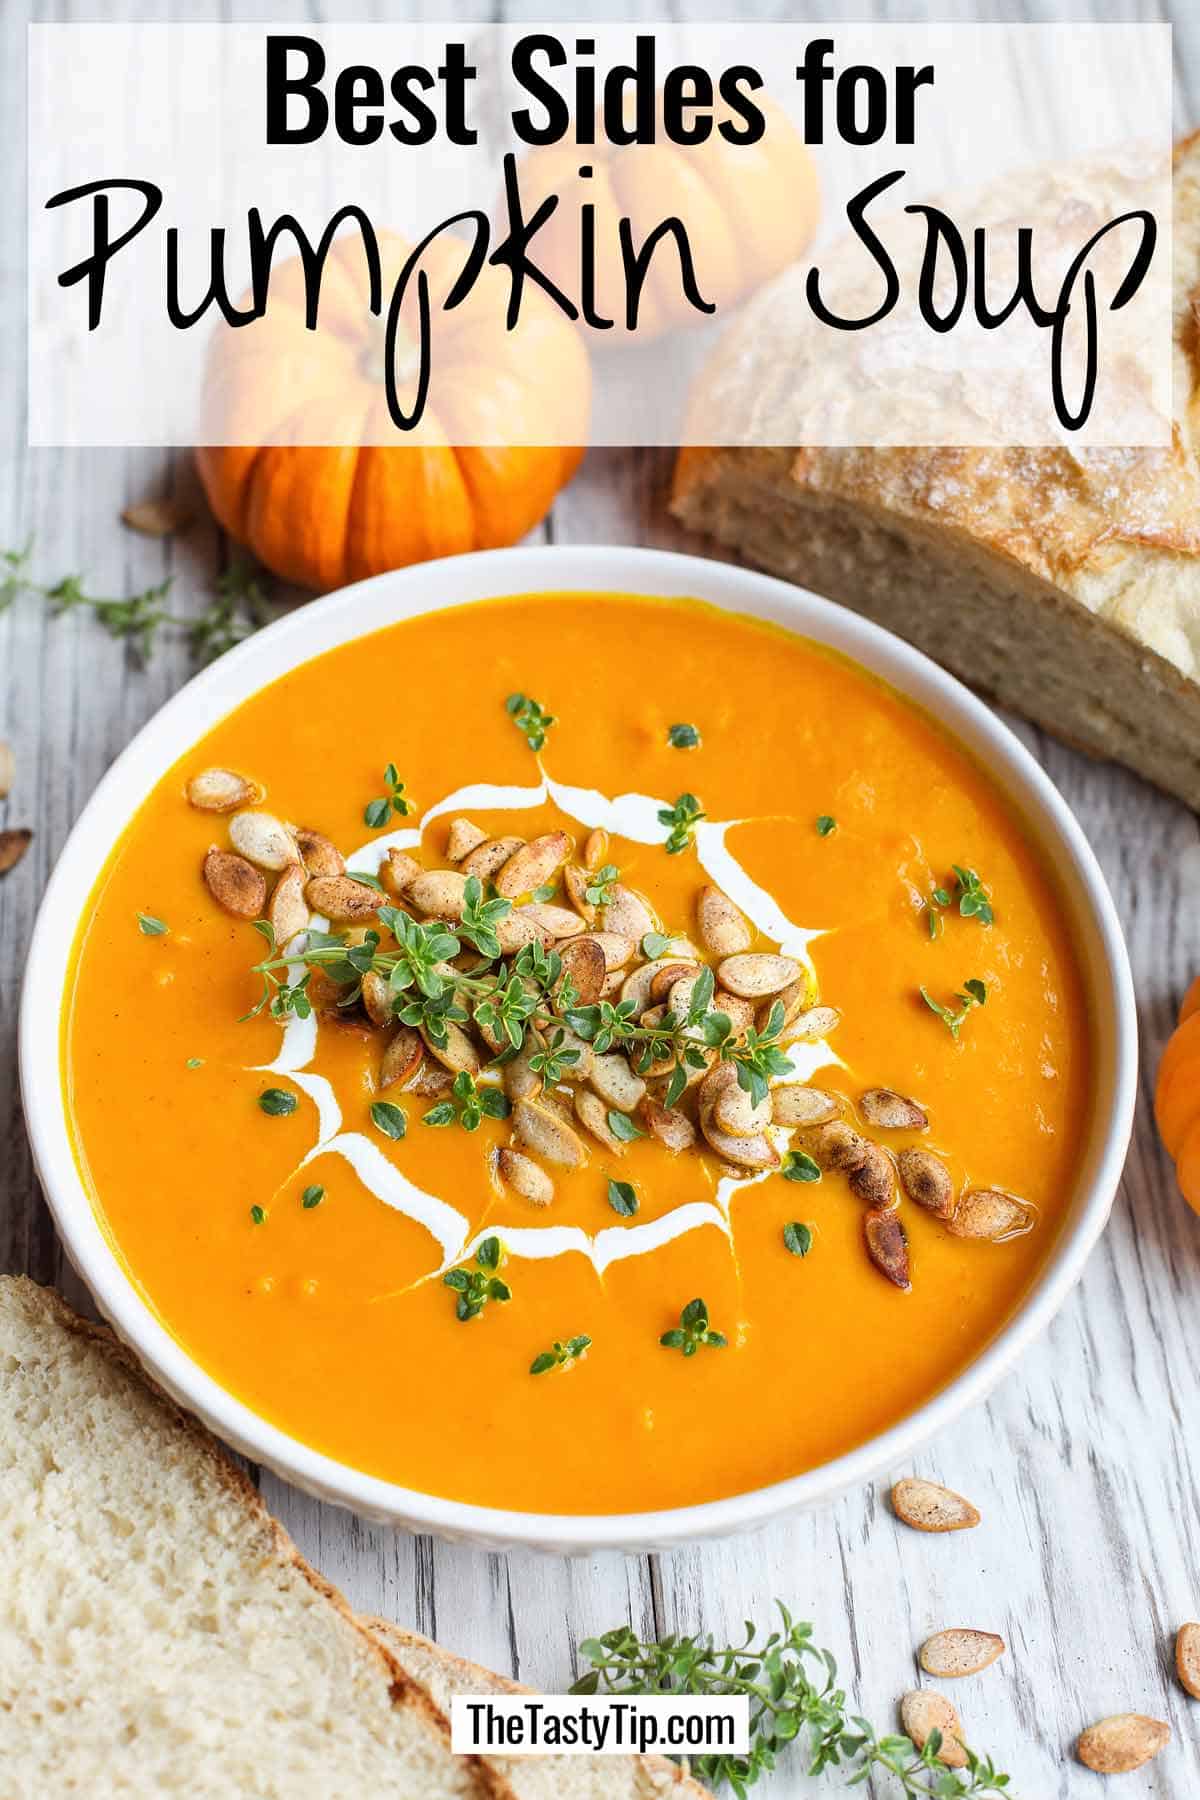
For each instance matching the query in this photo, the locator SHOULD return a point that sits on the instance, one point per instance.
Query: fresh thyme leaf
(149, 926)
(378, 812)
(683, 737)
(258, 1215)
(312, 1196)
(277, 1103)
(558, 1056)
(600, 885)
(682, 819)
(654, 945)
(530, 718)
(561, 1356)
(389, 1118)
(825, 825)
(693, 1331)
(799, 1166)
(15, 578)
(973, 994)
(773, 1669)
(195, 1062)
(241, 608)
(622, 1197)
(545, 893)
(973, 899)
(135, 618)
(475, 1287)
(623, 1127)
(798, 1238)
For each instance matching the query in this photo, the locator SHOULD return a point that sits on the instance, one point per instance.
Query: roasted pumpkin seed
(923, 1712)
(463, 837)
(288, 911)
(524, 1177)
(957, 1652)
(263, 840)
(235, 884)
(927, 1506)
(532, 865)
(220, 791)
(341, 898)
(723, 930)
(887, 1246)
(889, 1111)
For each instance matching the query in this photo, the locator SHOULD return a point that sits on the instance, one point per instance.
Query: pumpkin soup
(578, 1053)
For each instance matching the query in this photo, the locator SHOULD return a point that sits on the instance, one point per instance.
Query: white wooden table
(1085, 1464)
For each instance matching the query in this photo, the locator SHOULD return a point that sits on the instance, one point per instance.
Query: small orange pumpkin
(1177, 1096)
(308, 476)
(749, 211)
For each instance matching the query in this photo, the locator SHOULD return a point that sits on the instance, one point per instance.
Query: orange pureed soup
(301, 1254)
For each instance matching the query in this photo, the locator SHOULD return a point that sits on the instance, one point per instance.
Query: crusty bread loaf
(159, 1633)
(536, 1777)
(1064, 584)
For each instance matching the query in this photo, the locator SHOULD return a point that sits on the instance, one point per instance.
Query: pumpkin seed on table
(318, 855)
(926, 1181)
(922, 1712)
(263, 840)
(723, 930)
(959, 1651)
(1121, 1743)
(341, 898)
(235, 884)
(626, 913)
(14, 844)
(757, 975)
(991, 1214)
(463, 837)
(927, 1506)
(541, 1130)
(402, 1059)
(887, 1247)
(795, 1105)
(1187, 1659)
(532, 865)
(524, 1177)
(890, 1111)
(489, 857)
(220, 791)
(288, 909)
(157, 518)
(8, 769)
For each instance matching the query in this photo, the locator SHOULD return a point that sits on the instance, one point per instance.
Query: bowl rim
(389, 598)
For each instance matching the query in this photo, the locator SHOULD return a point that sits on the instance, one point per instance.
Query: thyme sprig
(693, 1332)
(530, 718)
(972, 898)
(475, 1287)
(378, 812)
(508, 999)
(973, 994)
(792, 1687)
(562, 1356)
(682, 818)
(241, 605)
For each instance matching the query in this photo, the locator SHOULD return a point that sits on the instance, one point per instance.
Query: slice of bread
(1066, 584)
(536, 1777)
(159, 1633)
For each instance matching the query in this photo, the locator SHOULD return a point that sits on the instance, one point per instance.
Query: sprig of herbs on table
(240, 607)
(506, 999)
(792, 1688)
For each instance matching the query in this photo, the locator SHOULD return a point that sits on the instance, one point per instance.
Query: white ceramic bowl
(356, 610)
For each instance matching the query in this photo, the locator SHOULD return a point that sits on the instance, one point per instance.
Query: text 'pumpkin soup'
(578, 1053)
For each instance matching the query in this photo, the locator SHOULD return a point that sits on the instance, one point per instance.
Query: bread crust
(1105, 544)
(403, 1691)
